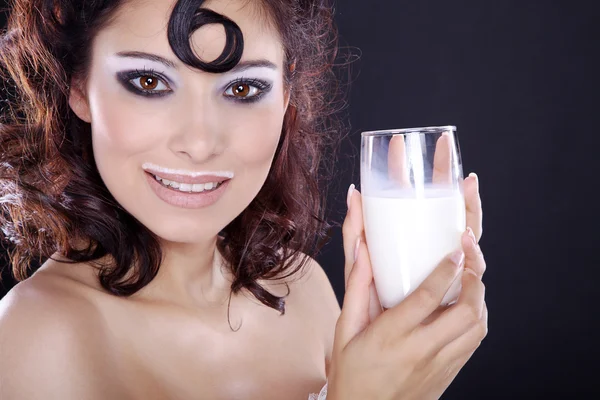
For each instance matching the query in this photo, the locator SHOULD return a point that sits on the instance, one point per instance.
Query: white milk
(408, 237)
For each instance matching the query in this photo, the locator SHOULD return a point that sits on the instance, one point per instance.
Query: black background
(518, 78)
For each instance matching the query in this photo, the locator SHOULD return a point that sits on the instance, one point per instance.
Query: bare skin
(143, 348)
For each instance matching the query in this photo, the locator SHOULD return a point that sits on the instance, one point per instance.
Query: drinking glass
(413, 206)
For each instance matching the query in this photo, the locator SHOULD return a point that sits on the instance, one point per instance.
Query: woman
(164, 157)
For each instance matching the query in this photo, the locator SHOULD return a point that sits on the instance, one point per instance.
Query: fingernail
(474, 175)
(356, 247)
(470, 271)
(472, 235)
(349, 195)
(458, 257)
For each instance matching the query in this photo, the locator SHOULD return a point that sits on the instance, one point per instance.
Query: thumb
(354, 317)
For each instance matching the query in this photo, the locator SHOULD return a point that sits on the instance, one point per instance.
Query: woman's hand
(414, 350)
(353, 230)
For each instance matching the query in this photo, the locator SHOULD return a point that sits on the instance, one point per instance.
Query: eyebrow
(241, 66)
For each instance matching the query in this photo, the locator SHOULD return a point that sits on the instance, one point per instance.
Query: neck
(192, 274)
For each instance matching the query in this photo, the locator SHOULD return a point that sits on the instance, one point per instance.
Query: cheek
(255, 138)
(256, 130)
(122, 125)
(122, 129)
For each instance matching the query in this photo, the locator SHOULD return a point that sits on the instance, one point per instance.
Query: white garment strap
(321, 396)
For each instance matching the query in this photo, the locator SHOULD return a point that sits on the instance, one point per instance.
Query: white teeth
(185, 187)
(188, 187)
(198, 187)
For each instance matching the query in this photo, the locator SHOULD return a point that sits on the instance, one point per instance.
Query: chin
(189, 232)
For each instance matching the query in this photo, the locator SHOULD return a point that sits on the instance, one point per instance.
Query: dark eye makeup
(257, 86)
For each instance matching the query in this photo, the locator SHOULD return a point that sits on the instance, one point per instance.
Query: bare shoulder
(315, 284)
(321, 303)
(309, 286)
(49, 341)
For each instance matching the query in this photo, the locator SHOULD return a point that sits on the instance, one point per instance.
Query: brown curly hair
(51, 192)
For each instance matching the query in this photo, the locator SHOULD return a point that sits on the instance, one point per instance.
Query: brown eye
(241, 90)
(245, 91)
(148, 82)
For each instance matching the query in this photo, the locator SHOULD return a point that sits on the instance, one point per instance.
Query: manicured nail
(474, 175)
(472, 235)
(458, 257)
(349, 196)
(356, 247)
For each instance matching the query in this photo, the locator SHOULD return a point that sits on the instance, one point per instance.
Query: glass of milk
(413, 206)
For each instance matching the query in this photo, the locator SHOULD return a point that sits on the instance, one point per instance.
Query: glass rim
(424, 129)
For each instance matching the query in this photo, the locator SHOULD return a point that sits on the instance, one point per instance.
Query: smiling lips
(191, 187)
(191, 196)
(187, 189)
(186, 177)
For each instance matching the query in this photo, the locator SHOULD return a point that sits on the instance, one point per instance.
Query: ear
(78, 101)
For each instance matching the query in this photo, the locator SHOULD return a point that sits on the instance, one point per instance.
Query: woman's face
(176, 119)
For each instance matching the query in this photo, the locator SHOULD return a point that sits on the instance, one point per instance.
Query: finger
(426, 298)
(452, 360)
(434, 315)
(454, 356)
(474, 211)
(442, 160)
(473, 256)
(458, 319)
(354, 317)
(464, 346)
(375, 308)
(352, 229)
(398, 162)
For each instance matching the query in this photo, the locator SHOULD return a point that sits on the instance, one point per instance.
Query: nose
(197, 134)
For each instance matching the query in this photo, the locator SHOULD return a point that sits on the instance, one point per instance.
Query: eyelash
(126, 77)
(262, 86)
